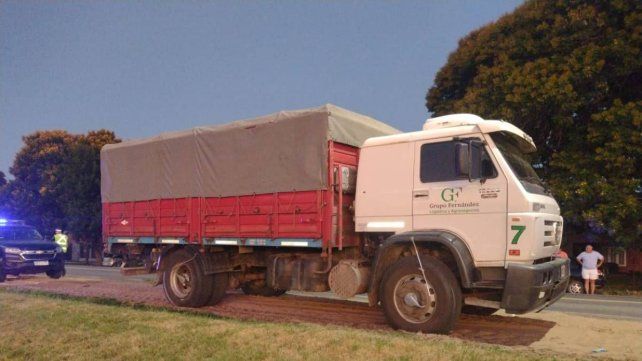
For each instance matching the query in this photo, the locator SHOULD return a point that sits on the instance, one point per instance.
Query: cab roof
(450, 126)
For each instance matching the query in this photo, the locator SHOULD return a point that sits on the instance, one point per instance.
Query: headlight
(12, 250)
(58, 249)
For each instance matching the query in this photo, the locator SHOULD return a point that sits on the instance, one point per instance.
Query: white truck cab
(470, 180)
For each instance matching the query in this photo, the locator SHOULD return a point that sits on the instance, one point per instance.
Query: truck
(452, 218)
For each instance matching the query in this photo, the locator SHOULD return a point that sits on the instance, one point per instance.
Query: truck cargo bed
(294, 219)
(271, 181)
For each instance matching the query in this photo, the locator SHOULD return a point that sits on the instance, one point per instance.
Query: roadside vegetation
(43, 327)
(568, 74)
(623, 285)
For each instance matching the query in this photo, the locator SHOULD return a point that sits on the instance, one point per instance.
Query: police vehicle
(24, 251)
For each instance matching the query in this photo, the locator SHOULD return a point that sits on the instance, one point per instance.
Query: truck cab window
(438, 163)
(486, 164)
(519, 160)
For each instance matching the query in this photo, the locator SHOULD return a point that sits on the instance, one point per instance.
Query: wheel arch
(393, 248)
(167, 251)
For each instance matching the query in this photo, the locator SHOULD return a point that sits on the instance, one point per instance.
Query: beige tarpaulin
(280, 152)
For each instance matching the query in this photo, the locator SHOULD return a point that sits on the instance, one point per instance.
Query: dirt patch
(552, 331)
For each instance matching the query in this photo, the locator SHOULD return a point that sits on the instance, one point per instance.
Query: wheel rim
(575, 287)
(415, 298)
(180, 280)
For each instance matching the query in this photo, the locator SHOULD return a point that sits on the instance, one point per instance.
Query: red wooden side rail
(296, 214)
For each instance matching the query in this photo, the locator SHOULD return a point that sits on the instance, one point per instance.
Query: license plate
(41, 263)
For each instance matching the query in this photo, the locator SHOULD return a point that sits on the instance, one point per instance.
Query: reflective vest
(62, 241)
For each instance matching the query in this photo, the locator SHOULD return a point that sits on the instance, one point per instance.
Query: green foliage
(79, 182)
(34, 193)
(569, 73)
(57, 182)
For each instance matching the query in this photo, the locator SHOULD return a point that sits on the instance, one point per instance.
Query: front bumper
(533, 287)
(14, 265)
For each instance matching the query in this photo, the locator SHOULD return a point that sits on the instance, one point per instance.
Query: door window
(438, 162)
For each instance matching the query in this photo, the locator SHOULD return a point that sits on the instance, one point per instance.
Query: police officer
(61, 239)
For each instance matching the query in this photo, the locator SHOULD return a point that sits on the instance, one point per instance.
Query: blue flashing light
(9, 222)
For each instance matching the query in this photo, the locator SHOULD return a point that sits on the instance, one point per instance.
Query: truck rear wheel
(184, 282)
(415, 304)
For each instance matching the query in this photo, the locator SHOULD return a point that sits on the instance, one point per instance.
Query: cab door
(473, 210)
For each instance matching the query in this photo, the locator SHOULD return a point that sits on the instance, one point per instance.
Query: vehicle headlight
(58, 249)
(12, 250)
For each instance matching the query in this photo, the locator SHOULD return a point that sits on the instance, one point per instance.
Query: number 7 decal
(520, 230)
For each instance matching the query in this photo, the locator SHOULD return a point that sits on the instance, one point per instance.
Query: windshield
(519, 161)
(9, 233)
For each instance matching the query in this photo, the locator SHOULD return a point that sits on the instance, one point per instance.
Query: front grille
(38, 255)
(552, 233)
(13, 258)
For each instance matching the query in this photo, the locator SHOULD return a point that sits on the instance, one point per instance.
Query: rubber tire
(260, 289)
(201, 289)
(55, 274)
(477, 310)
(219, 285)
(574, 282)
(448, 302)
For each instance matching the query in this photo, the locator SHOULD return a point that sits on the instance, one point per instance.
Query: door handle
(420, 195)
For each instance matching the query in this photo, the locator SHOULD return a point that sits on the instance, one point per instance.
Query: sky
(140, 68)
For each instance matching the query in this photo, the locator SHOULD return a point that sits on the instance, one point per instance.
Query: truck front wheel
(413, 303)
(184, 282)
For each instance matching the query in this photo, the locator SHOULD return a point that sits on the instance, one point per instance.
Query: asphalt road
(614, 307)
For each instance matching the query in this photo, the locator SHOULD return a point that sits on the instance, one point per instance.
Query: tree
(3, 195)
(57, 183)
(79, 182)
(33, 193)
(570, 74)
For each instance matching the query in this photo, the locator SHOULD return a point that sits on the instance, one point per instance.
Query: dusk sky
(144, 67)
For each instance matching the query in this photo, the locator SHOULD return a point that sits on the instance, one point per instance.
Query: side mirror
(468, 159)
(476, 150)
(462, 160)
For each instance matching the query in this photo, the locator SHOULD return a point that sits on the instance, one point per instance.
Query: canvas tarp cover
(281, 152)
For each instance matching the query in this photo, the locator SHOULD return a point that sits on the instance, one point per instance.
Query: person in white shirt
(590, 260)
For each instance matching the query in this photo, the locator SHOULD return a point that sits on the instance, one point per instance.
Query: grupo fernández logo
(450, 194)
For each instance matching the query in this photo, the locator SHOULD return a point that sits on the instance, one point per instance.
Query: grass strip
(39, 326)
